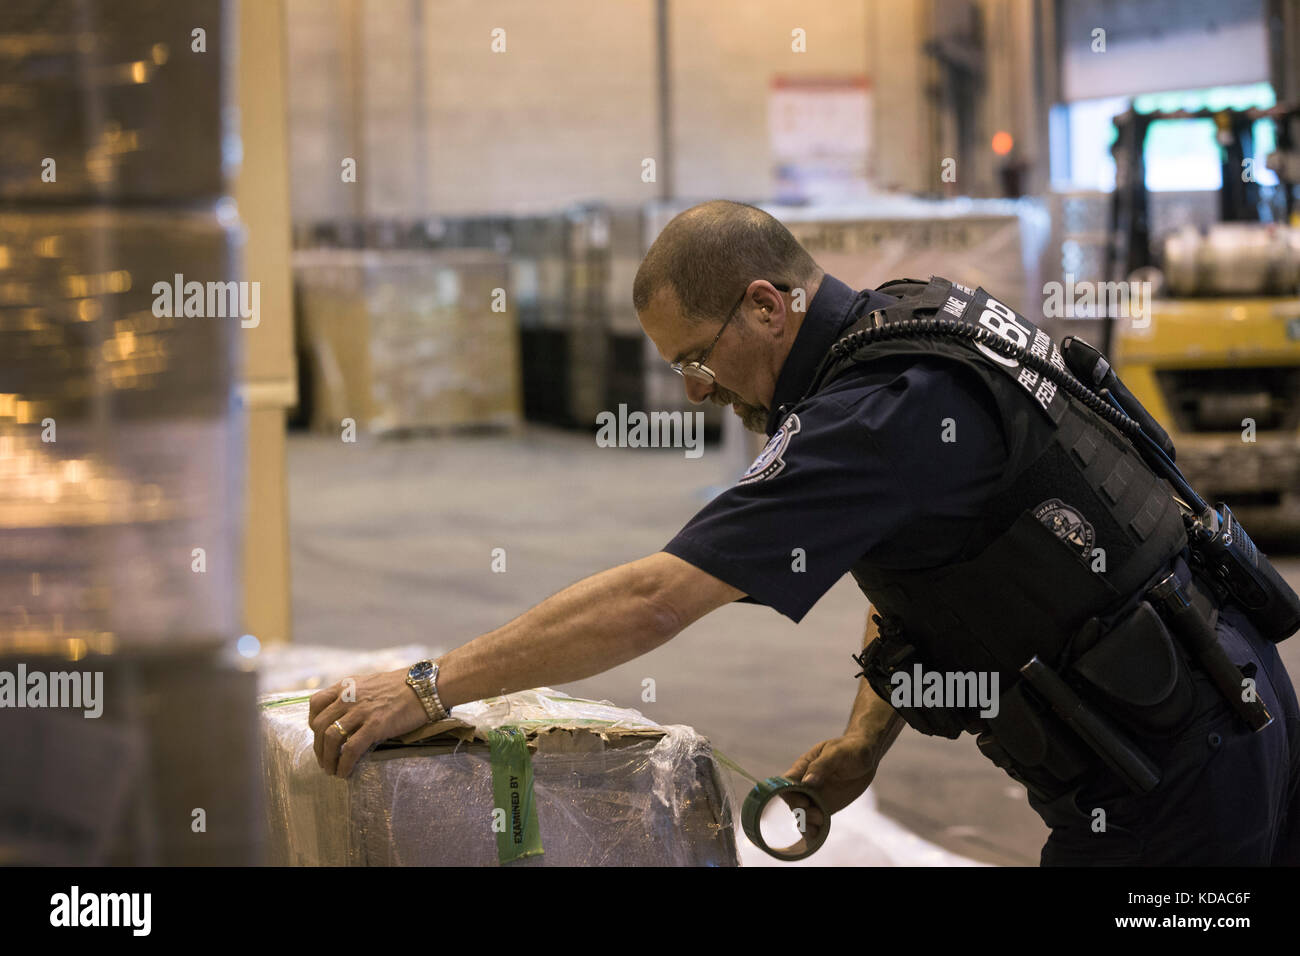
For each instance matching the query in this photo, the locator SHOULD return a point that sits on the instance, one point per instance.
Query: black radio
(1220, 548)
(1225, 554)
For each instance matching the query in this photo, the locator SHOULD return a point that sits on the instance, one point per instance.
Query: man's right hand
(839, 769)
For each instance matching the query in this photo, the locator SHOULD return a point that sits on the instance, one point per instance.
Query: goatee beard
(753, 417)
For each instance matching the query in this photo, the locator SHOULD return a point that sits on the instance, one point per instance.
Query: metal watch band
(427, 691)
(433, 690)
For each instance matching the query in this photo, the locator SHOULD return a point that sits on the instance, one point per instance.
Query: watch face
(421, 671)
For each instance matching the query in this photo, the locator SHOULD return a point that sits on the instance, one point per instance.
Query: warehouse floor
(392, 543)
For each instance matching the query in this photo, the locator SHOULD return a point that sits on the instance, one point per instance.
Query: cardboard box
(409, 339)
(608, 788)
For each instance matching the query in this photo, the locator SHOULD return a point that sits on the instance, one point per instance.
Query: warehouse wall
(565, 113)
(319, 110)
(1160, 45)
(570, 110)
(724, 56)
(902, 107)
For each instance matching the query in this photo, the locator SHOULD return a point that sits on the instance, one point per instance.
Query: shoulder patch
(1067, 523)
(769, 461)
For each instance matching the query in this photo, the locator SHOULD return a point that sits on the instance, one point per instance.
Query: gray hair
(706, 252)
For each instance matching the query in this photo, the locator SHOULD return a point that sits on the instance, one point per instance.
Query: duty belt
(1184, 609)
(1200, 593)
(1181, 602)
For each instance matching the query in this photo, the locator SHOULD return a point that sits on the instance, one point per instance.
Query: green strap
(287, 700)
(512, 795)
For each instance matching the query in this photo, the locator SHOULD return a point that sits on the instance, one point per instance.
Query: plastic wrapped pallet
(120, 96)
(992, 243)
(173, 731)
(409, 339)
(119, 431)
(535, 779)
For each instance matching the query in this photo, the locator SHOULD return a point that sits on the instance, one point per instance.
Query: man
(900, 464)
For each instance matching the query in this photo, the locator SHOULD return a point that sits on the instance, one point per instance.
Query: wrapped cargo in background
(991, 243)
(127, 100)
(165, 775)
(120, 503)
(409, 339)
(120, 439)
(122, 436)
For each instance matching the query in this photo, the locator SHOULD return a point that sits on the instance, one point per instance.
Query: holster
(1137, 675)
(1132, 672)
(889, 654)
(1033, 745)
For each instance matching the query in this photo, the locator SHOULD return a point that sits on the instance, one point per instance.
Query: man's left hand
(385, 706)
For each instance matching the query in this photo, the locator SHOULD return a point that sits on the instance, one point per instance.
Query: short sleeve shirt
(892, 463)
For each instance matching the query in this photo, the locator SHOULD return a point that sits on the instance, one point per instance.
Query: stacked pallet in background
(991, 243)
(538, 248)
(627, 356)
(121, 436)
(569, 285)
(139, 462)
(405, 339)
(588, 313)
(570, 276)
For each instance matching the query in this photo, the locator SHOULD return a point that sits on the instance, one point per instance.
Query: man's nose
(696, 391)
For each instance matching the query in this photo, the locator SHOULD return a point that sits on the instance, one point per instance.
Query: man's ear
(774, 318)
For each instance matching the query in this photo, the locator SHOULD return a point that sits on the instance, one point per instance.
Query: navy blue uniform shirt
(858, 470)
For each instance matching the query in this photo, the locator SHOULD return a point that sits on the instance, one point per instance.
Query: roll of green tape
(751, 812)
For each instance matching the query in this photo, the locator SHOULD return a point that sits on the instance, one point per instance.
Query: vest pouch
(1042, 785)
(884, 658)
(1136, 675)
(1032, 744)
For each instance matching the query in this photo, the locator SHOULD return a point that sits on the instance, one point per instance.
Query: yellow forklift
(1217, 359)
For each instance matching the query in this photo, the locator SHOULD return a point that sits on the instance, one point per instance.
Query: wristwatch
(423, 679)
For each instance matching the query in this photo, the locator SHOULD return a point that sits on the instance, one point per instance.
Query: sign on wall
(819, 129)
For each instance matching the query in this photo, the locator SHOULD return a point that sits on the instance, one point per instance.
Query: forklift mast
(1128, 245)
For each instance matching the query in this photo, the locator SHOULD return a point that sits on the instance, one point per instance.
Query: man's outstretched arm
(586, 629)
(602, 621)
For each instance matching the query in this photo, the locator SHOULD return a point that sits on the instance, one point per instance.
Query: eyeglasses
(697, 370)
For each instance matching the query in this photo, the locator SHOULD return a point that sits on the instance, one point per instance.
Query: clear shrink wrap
(121, 437)
(409, 339)
(121, 101)
(535, 778)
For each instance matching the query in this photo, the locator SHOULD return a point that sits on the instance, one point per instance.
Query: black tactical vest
(1075, 531)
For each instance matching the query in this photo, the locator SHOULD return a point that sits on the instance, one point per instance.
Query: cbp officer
(976, 554)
